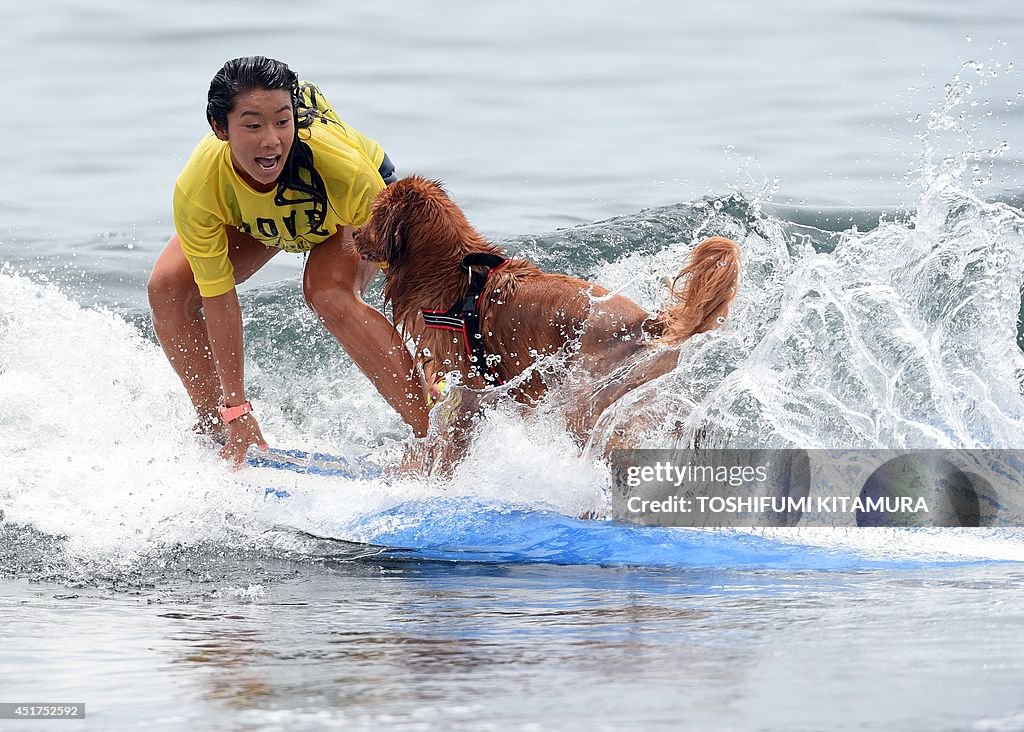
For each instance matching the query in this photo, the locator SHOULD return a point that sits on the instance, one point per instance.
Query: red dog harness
(464, 316)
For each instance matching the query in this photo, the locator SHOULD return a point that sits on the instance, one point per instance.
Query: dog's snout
(365, 244)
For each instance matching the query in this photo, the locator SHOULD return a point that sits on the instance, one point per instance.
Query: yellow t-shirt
(210, 195)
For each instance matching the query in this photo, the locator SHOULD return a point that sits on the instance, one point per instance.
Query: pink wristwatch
(230, 414)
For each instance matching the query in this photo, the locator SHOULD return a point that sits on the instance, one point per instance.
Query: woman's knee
(328, 288)
(171, 285)
(330, 279)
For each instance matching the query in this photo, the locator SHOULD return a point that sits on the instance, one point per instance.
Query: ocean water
(867, 158)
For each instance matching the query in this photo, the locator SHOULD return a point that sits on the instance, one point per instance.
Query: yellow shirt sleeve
(204, 241)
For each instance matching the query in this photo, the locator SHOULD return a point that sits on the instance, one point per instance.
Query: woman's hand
(242, 433)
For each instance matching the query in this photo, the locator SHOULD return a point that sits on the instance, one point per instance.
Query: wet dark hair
(258, 72)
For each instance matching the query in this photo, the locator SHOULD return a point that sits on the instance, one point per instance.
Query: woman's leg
(178, 320)
(333, 283)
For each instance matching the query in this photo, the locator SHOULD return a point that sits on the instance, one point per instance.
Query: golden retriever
(441, 274)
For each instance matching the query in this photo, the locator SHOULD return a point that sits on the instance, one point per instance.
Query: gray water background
(538, 116)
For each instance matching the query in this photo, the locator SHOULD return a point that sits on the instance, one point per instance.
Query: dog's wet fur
(527, 314)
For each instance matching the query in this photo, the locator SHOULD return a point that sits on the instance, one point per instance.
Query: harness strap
(464, 316)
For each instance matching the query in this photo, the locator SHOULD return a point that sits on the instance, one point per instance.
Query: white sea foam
(96, 446)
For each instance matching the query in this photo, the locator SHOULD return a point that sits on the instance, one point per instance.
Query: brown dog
(490, 320)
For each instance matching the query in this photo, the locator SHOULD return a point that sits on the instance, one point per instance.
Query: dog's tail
(702, 291)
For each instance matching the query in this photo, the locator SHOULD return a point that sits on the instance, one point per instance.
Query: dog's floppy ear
(391, 237)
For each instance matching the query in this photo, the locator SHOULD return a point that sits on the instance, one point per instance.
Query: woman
(280, 171)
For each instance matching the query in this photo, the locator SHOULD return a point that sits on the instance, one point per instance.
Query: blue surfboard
(468, 529)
